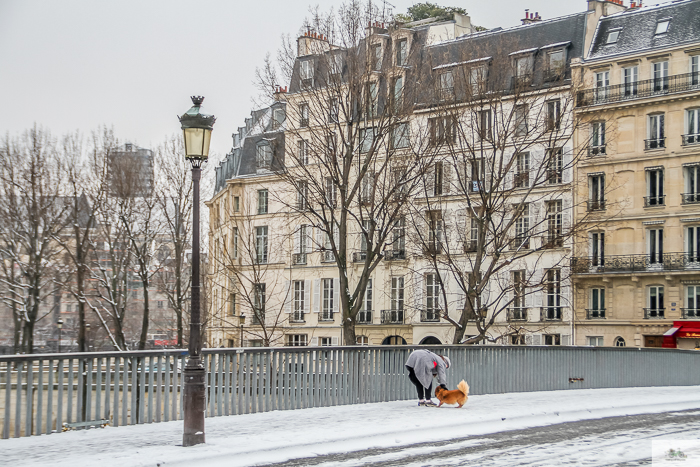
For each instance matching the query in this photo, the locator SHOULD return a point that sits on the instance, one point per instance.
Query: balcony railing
(470, 246)
(690, 313)
(394, 255)
(639, 90)
(327, 256)
(364, 317)
(325, 315)
(595, 313)
(689, 140)
(359, 256)
(654, 143)
(392, 317)
(656, 200)
(551, 313)
(636, 263)
(433, 248)
(690, 198)
(520, 243)
(596, 151)
(517, 314)
(654, 313)
(297, 317)
(596, 205)
(299, 258)
(430, 316)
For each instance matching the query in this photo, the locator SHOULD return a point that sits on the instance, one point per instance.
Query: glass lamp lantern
(196, 128)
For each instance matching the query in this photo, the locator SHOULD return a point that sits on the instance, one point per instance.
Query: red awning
(688, 332)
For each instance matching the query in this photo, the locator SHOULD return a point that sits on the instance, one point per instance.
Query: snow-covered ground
(255, 439)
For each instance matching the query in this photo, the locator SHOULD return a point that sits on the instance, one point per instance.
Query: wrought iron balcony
(551, 313)
(654, 143)
(654, 313)
(552, 241)
(689, 140)
(430, 316)
(299, 258)
(690, 198)
(297, 317)
(470, 246)
(359, 257)
(636, 263)
(596, 205)
(657, 200)
(394, 255)
(327, 256)
(433, 248)
(638, 90)
(325, 316)
(596, 151)
(517, 314)
(364, 317)
(520, 243)
(690, 313)
(392, 317)
(595, 313)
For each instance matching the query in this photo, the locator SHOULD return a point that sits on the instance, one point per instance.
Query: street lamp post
(196, 127)
(59, 324)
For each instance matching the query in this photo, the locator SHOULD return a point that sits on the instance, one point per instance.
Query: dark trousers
(423, 393)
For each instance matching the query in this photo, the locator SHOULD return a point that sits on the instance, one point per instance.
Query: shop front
(683, 335)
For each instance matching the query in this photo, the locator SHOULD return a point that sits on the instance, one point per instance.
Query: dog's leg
(440, 404)
(459, 406)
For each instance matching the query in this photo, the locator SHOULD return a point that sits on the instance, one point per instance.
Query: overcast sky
(132, 64)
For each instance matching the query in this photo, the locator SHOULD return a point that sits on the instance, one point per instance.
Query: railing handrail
(638, 89)
(668, 261)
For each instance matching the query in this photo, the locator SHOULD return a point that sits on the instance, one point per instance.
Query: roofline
(502, 30)
(632, 54)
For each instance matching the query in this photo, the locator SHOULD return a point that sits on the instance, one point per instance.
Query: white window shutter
(336, 295)
(565, 287)
(288, 297)
(418, 291)
(528, 339)
(537, 291)
(536, 339)
(334, 340)
(336, 236)
(566, 214)
(429, 181)
(462, 179)
(508, 179)
(320, 235)
(566, 165)
(297, 240)
(307, 296)
(314, 342)
(446, 177)
(317, 296)
(565, 339)
(308, 239)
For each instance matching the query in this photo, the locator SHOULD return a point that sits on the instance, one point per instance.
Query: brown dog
(455, 396)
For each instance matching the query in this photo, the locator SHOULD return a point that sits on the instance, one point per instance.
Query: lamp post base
(194, 403)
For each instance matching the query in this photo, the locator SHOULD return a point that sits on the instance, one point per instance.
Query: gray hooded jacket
(425, 365)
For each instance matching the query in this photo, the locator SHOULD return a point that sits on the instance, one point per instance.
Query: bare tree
(349, 169)
(174, 198)
(34, 213)
(496, 208)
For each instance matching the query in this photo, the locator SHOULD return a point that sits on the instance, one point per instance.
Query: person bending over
(423, 366)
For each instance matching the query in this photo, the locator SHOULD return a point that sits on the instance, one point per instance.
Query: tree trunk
(144, 322)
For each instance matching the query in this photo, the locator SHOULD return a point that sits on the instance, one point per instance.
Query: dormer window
(264, 155)
(402, 52)
(662, 26)
(277, 118)
(376, 57)
(612, 36)
(306, 72)
(336, 65)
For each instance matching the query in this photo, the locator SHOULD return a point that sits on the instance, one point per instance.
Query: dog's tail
(463, 387)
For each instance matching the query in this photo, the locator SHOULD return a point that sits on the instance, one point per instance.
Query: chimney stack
(531, 17)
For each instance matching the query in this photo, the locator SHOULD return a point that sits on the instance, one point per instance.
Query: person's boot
(430, 403)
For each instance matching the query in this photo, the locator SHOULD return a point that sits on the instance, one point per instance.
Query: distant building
(130, 171)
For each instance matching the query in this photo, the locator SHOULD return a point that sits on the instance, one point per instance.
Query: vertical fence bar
(141, 369)
(18, 400)
(220, 386)
(87, 412)
(98, 390)
(59, 408)
(39, 398)
(8, 396)
(150, 389)
(115, 401)
(29, 396)
(125, 389)
(159, 388)
(49, 399)
(168, 368)
(108, 383)
(134, 392)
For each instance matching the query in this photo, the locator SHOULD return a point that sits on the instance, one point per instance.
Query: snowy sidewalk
(278, 436)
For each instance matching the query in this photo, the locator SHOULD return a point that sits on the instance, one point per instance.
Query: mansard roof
(637, 29)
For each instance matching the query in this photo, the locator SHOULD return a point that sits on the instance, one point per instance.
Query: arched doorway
(430, 340)
(394, 340)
